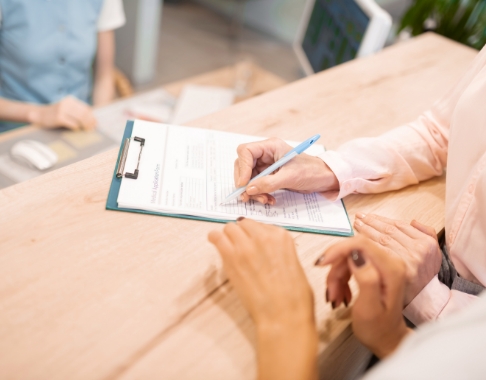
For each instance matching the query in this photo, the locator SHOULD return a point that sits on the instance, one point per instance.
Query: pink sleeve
(436, 300)
(403, 156)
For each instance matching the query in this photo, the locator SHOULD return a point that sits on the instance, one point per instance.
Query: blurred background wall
(280, 18)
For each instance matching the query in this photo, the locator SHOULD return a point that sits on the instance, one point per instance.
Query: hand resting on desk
(262, 265)
(69, 113)
(304, 173)
(414, 243)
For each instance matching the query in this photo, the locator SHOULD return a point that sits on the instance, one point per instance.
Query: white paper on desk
(156, 104)
(189, 171)
(198, 101)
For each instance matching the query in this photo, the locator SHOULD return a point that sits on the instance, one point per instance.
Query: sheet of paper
(198, 101)
(112, 119)
(190, 171)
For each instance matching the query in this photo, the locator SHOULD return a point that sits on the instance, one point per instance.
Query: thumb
(423, 228)
(268, 184)
(243, 167)
(369, 302)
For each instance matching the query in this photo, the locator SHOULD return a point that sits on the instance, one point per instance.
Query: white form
(189, 171)
(197, 101)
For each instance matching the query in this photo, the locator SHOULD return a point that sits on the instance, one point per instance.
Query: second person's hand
(415, 243)
(304, 173)
(262, 265)
(377, 313)
(69, 113)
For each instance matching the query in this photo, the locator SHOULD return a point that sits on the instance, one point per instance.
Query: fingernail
(240, 218)
(319, 260)
(333, 305)
(358, 223)
(345, 302)
(252, 190)
(360, 215)
(327, 295)
(357, 258)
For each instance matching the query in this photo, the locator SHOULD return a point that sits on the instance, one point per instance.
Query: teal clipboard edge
(112, 204)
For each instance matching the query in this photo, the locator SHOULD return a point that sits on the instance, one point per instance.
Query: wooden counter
(87, 293)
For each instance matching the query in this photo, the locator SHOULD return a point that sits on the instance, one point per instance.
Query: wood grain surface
(87, 293)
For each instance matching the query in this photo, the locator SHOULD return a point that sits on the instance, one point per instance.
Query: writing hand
(304, 173)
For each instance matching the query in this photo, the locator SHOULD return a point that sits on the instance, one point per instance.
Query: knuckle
(370, 217)
(227, 228)
(390, 230)
(400, 224)
(384, 240)
(419, 247)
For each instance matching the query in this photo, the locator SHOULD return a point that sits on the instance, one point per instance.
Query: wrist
(392, 342)
(326, 178)
(33, 114)
(285, 327)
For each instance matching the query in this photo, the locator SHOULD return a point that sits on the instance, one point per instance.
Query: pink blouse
(452, 133)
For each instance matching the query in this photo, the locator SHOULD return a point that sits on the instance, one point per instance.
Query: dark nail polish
(319, 260)
(327, 295)
(357, 258)
(345, 302)
(240, 218)
(333, 305)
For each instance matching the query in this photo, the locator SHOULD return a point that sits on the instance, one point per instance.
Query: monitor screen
(334, 33)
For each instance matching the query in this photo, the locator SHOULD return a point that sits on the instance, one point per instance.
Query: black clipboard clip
(123, 159)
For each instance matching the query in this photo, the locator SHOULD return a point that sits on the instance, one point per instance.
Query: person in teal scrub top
(49, 50)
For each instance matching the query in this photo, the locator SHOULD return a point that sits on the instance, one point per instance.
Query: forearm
(391, 342)
(12, 110)
(104, 89)
(104, 86)
(287, 352)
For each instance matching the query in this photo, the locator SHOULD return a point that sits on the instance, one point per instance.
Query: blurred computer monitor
(336, 31)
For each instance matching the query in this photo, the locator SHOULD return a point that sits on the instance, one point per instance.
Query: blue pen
(294, 152)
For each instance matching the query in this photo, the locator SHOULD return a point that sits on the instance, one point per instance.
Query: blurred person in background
(262, 265)
(48, 52)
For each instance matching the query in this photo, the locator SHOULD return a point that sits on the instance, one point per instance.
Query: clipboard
(112, 201)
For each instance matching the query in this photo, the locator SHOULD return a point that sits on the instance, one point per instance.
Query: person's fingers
(337, 282)
(369, 302)
(380, 230)
(247, 156)
(80, 111)
(347, 295)
(254, 229)
(423, 228)
(236, 172)
(269, 183)
(221, 242)
(264, 199)
(92, 122)
(245, 197)
(391, 269)
(402, 226)
(69, 122)
(237, 235)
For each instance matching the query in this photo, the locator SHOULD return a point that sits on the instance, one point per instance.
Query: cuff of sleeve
(429, 303)
(343, 172)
